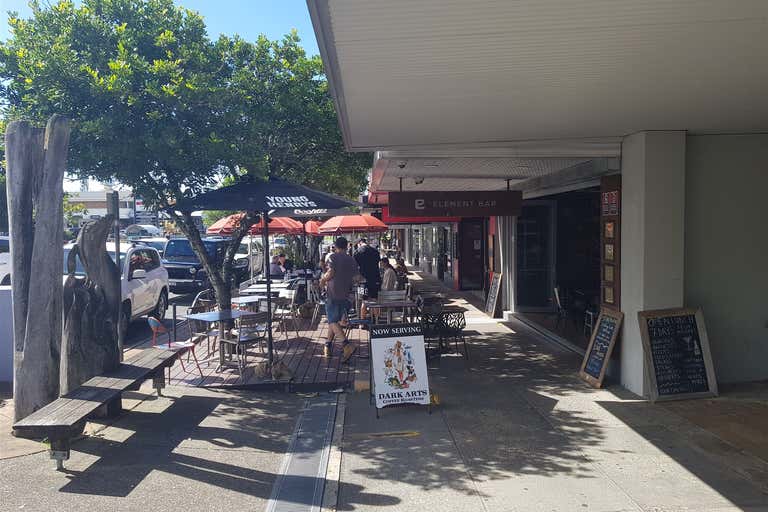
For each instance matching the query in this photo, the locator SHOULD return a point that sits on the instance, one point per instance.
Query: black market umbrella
(270, 197)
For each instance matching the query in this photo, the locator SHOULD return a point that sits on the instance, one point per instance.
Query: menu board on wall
(677, 354)
(600, 346)
(610, 241)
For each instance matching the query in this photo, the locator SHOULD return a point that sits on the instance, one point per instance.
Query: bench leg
(111, 409)
(158, 381)
(59, 452)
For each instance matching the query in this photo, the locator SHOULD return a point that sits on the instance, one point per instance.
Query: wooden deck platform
(311, 371)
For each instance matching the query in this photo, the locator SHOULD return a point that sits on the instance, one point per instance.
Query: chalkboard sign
(677, 354)
(493, 295)
(600, 346)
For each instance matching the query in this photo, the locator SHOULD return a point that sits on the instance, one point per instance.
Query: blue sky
(249, 18)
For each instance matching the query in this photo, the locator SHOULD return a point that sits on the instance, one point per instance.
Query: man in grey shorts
(338, 280)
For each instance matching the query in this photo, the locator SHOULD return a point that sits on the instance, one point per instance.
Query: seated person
(274, 267)
(285, 263)
(389, 276)
(400, 268)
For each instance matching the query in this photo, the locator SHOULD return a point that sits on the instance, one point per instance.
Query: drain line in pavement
(301, 480)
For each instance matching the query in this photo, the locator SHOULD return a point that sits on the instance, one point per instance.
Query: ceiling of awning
(457, 174)
(442, 73)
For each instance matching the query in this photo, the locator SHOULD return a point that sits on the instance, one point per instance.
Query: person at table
(400, 268)
(285, 263)
(388, 275)
(275, 270)
(338, 280)
(367, 259)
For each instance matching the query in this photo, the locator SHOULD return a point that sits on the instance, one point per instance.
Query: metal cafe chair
(200, 329)
(249, 330)
(287, 311)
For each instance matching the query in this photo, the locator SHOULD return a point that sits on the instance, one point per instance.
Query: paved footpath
(518, 431)
(190, 450)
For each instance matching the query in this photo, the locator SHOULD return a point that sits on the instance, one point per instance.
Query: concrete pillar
(506, 228)
(652, 238)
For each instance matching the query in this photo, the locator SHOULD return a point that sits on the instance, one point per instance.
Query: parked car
(5, 260)
(157, 243)
(144, 281)
(186, 272)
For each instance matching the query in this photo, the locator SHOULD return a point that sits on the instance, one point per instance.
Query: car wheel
(162, 306)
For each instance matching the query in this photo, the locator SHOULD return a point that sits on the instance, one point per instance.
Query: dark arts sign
(455, 204)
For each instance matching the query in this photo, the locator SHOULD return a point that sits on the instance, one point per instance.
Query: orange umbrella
(311, 227)
(352, 224)
(277, 226)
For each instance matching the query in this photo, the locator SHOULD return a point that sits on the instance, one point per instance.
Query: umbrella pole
(265, 242)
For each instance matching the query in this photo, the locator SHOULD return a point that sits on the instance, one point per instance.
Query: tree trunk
(220, 276)
(36, 162)
(90, 343)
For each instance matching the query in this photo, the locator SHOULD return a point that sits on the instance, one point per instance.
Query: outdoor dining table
(248, 299)
(221, 316)
(389, 306)
(262, 288)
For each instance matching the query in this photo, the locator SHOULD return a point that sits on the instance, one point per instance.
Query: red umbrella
(277, 226)
(311, 227)
(352, 224)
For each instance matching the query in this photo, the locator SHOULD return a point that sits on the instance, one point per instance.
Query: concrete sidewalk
(518, 431)
(190, 450)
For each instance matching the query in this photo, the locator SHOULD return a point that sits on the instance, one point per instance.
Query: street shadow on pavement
(233, 441)
(202, 424)
(496, 418)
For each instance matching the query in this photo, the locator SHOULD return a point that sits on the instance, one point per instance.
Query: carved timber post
(36, 161)
(89, 346)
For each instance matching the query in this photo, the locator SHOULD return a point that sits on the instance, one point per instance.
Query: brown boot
(349, 349)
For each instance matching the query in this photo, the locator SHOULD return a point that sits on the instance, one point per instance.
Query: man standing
(338, 280)
(367, 259)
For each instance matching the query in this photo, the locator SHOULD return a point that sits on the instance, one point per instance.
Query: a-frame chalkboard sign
(677, 355)
(600, 346)
(491, 303)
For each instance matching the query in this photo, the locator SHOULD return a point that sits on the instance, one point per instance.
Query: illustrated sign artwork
(600, 347)
(677, 354)
(399, 365)
(493, 294)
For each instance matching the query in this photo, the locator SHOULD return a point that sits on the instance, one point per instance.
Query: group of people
(342, 271)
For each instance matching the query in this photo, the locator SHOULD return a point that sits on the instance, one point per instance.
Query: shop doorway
(471, 254)
(536, 256)
(558, 263)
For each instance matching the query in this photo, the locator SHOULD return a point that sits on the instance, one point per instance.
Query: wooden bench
(65, 418)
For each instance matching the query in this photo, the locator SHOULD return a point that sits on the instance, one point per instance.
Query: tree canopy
(157, 105)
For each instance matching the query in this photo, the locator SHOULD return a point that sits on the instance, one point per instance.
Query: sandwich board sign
(399, 365)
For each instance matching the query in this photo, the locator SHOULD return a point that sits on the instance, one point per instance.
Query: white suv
(144, 282)
(5, 261)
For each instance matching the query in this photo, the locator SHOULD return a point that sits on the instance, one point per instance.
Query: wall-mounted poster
(399, 365)
(609, 229)
(608, 295)
(608, 252)
(608, 273)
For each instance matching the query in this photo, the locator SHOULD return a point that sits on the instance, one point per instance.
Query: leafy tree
(72, 210)
(156, 104)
